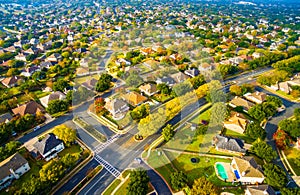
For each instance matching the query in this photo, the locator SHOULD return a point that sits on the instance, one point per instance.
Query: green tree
(197, 81)
(133, 80)
(60, 85)
(263, 150)
(138, 184)
(55, 106)
(254, 131)
(202, 186)
(164, 88)
(168, 132)
(66, 134)
(275, 175)
(140, 112)
(290, 191)
(103, 83)
(274, 100)
(297, 113)
(291, 127)
(178, 180)
(262, 111)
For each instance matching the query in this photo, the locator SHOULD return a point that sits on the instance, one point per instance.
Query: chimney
(243, 173)
(226, 139)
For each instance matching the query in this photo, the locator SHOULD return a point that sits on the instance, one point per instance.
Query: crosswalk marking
(100, 147)
(115, 172)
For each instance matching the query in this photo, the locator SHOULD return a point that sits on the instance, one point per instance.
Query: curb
(76, 169)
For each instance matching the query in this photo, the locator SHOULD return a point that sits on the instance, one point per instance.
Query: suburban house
(122, 61)
(117, 108)
(286, 86)
(134, 98)
(54, 57)
(11, 81)
(167, 80)
(237, 122)
(82, 71)
(146, 51)
(27, 72)
(12, 168)
(246, 170)
(84, 62)
(5, 118)
(48, 147)
(151, 63)
(46, 64)
(21, 57)
(148, 89)
(256, 97)
(259, 190)
(237, 101)
(53, 96)
(29, 108)
(192, 72)
(228, 144)
(90, 84)
(179, 77)
(257, 55)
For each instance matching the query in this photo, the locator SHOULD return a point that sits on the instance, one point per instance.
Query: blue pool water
(221, 171)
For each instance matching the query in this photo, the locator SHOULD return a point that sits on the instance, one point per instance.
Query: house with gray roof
(228, 144)
(48, 147)
(12, 168)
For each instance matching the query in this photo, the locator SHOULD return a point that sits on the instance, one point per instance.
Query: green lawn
(205, 167)
(83, 79)
(238, 135)
(292, 154)
(162, 97)
(122, 190)
(202, 116)
(111, 188)
(185, 139)
(74, 149)
(124, 122)
(39, 94)
(161, 164)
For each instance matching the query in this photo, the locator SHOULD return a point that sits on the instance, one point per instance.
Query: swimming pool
(221, 171)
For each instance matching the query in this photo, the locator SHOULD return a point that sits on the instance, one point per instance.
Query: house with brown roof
(179, 77)
(238, 101)
(55, 57)
(148, 89)
(53, 96)
(134, 98)
(21, 57)
(12, 168)
(246, 170)
(11, 81)
(260, 190)
(146, 51)
(237, 122)
(29, 108)
(256, 97)
(117, 108)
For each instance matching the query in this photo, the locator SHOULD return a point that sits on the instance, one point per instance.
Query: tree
(262, 111)
(202, 186)
(254, 131)
(247, 88)
(133, 80)
(263, 150)
(104, 82)
(282, 139)
(275, 175)
(235, 90)
(60, 85)
(140, 112)
(297, 113)
(181, 89)
(55, 106)
(197, 81)
(168, 132)
(9, 149)
(66, 134)
(178, 180)
(99, 107)
(291, 127)
(12, 72)
(138, 184)
(274, 100)
(164, 88)
(290, 191)
(218, 113)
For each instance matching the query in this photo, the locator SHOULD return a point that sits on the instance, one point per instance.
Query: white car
(36, 128)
